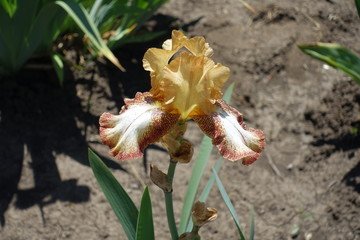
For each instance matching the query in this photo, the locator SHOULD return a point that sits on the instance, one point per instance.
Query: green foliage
(252, 225)
(200, 163)
(28, 27)
(9, 6)
(58, 66)
(121, 203)
(205, 193)
(228, 203)
(357, 3)
(336, 56)
(85, 23)
(145, 225)
(118, 21)
(231, 208)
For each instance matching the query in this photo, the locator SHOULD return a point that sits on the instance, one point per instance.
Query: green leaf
(200, 163)
(83, 20)
(10, 6)
(121, 203)
(228, 93)
(252, 226)
(58, 66)
(228, 203)
(145, 225)
(205, 193)
(210, 183)
(336, 56)
(357, 3)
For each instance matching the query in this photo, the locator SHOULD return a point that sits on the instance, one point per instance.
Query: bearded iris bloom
(186, 84)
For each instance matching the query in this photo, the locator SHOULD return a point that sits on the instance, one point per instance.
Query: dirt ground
(305, 186)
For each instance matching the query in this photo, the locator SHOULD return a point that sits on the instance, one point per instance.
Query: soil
(306, 185)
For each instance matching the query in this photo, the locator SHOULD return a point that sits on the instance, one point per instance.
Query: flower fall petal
(228, 132)
(139, 123)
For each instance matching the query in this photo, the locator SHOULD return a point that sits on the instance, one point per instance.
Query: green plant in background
(185, 85)
(27, 27)
(336, 56)
(30, 27)
(119, 21)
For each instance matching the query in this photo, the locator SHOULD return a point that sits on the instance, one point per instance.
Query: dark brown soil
(306, 184)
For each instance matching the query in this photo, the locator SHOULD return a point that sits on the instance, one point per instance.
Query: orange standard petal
(139, 123)
(155, 60)
(228, 132)
(191, 85)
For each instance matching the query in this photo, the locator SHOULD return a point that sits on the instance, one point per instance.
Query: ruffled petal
(139, 123)
(228, 132)
(192, 84)
(196, 45)
(155, 59)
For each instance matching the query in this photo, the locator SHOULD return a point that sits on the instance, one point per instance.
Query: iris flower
(186, 84)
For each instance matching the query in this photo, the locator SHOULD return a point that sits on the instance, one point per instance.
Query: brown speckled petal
(139, 123)
(229, 133)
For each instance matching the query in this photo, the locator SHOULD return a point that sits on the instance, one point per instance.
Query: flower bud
(160, 179)
(202, 214)
(184, 153)
(180, 150)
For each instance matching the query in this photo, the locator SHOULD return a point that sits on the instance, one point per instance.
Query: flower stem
(169, 203)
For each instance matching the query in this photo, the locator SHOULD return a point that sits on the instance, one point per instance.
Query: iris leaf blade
(205, 193)
(201, 161)
(85, 23)
(58, 66)
(336, 56)
(228, 203)
(124, 208)
(145, 225)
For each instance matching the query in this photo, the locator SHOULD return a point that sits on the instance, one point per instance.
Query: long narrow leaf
(200, 163)
(58, 66)
(336, 56)
(252, 226)
(205, 193)
(357, 3)
(228, 93)
(121, 203)
(9, 6)
(228, 203)
(210, 183)
(197, 172)
(145, 225)
(83, 20)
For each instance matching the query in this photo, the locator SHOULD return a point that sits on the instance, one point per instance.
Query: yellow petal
(191, 85)
(155, 59)
(197, 45)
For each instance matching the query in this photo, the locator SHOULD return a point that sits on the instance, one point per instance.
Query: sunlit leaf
(201, 161)
(58, 66)
(121, 203)
(205, 193)
(145, 225)
(83, 20)
(336, 56)
(228, 203)
(10, 6)
(252, 226)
